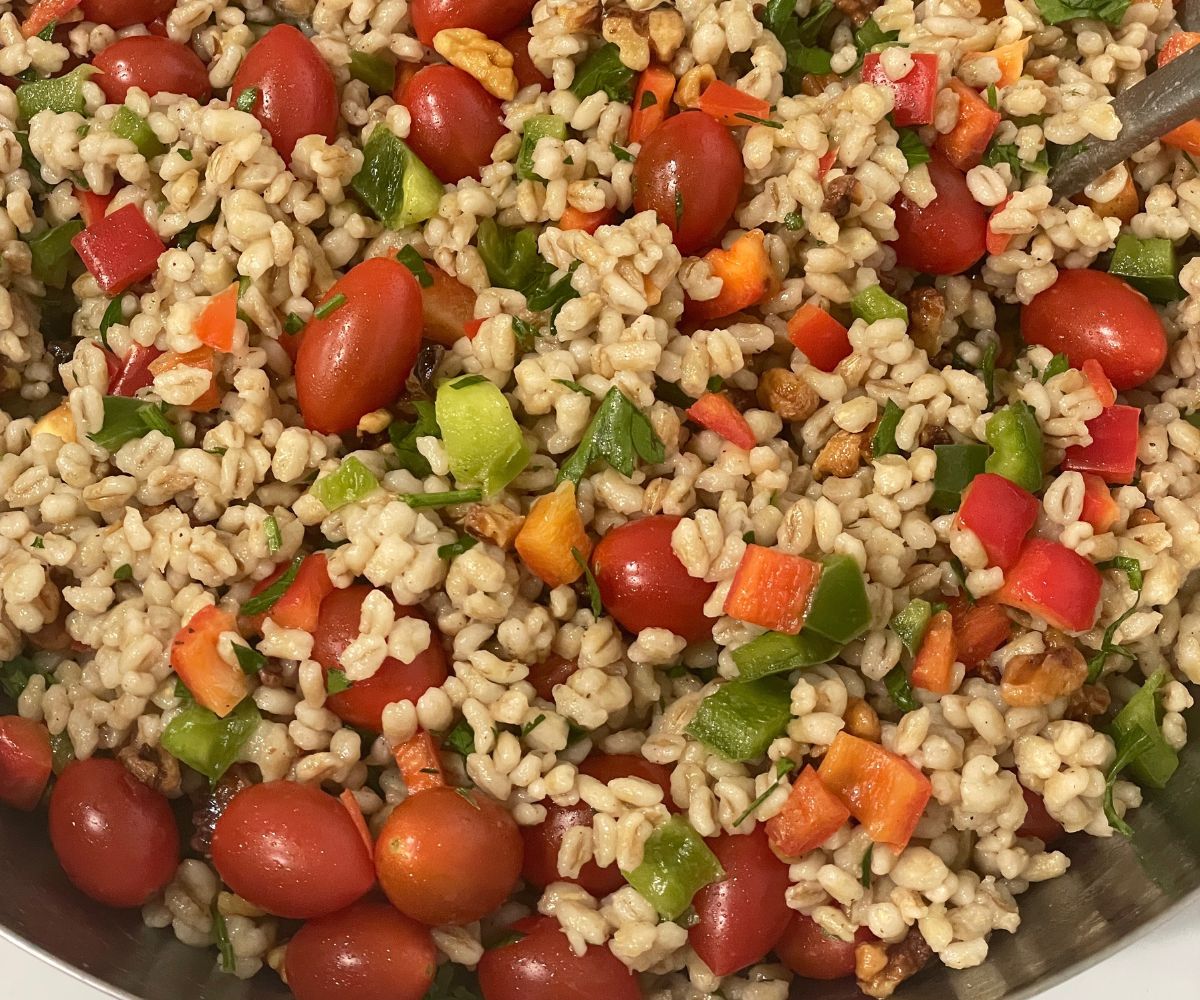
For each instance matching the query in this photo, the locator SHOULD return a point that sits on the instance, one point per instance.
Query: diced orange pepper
(979, 630)
(419, 763)
(447, 308)
(1100, 510)
(651, 102)
(201, 357)
(715, 411)
(811, 815)
(1010, 58)
(730, 106)
(589, 222)
(993, 241)
(824, 341)
(551, 535)
(350, 804)
(746, 274)
(45, 11)
(882, 790)
(215, 326)
(1124, 205)
(772, 589)
(300, 605)
(1187, 136)
(215, 683)
(1100, 384)
(933, 666)
(964, 145)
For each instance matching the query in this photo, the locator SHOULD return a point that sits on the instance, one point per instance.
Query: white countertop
(1160, 965)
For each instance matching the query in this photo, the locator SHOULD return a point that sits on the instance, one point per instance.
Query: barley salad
(562, 499)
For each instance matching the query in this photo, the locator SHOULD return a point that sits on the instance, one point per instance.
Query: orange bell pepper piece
(215, 683)
(824, 341)
(979, 630)
(1103, 387)
(993, 241)
(730, 106)
(551, 536)
(1010, 58)
(1187, 136)
(201, 357)
(350, 804)
(215, 326)
(964, 145)
(1124, 205)
(811, 815)
(45, 11)
(746, 274)
(933, 667)
(589, 222)
(1100, 510)
(772, 589)
(447, 308)
(300, 604)
(651, 102)
(714, 411)
(419, 763)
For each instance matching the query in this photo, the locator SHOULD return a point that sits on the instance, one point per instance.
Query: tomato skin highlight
(368, 951)
(25, 762)
(297, 96)
(1091, 314)
(123, 13)
(291, 849)
(809, 952)
(448, 856)
(357, 358)
(455, 122)
(741, 917)
(115, 838)
(644, 585)
(154, 64)
(492, 17)
(949, 234)
(689, 173)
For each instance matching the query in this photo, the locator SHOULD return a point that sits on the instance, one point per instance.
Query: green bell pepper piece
(1016, 440)
(349, 483)
(1148, 265)
(59, 94)
(208, 743)
(1138, 737)
(899, 689)
(394, 183)
(910, 623)
(873, 304)
(776, 653)
(482, 437)
(741, 718)
(51, 253)
(510, 255)
(957, 465)
(378, 73)
(840, 610)
(128, 124)
(536, 128)
(883, 441)
(676, 864)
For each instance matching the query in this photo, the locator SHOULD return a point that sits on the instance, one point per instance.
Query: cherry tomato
(492, 17)
(115, 838)
(296, 93)
(551, 671)
(448, 856)
(543, 966)
(607, 766)
(947, 235)
(357, 358)
(123, 13)
(1091, 314)
(741, 917)
(689, 173)
(809, 952)
(517, 42)
(369, 951)
(448, 307)
(644, 585)
(1038, 821)
(362, 704)
(291, 849)
(154, 64)
(455, 122)
(25, 761)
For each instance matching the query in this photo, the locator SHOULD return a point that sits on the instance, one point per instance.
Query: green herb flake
(908, 141)
(409, 257)
(593, 587)
(575, 387)
(865, 876)
(453, 549)
(293, 324)
(221, 938)
(247, 99)
(328, 308)
(1110, 648)
(250, 660)
(461, 739)
(993, 97)
(783, 766)
(403, 436)
(123, 573)
(649, 100)
(1127, 565)
(185, 153)
(263, 602)
(336, 682)
(38, 542)
(1058, 364)
(467, 381)
(449, 498)
(1058, 11)
(525, 334)
(274, 537)
(604, 71)
(126, 419)
(793, 222)
(529, 727)
(47, 33)
(883, 441)
(899, 689)
(621, 153)
(113, 314)
(15, 675)
(755, 120)
(618, 434)
(987, 371)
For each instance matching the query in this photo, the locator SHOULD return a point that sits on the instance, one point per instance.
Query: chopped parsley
(336, 682)
(409, 257)
(593, 587)
(618, 434)
(247, 99)
(785, 765)
(262, 603)
(274, 537)
(326, 309)
(456, 548)
(403, 437)
(250, 660)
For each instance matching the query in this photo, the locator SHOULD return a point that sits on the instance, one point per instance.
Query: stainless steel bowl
(1115, 892)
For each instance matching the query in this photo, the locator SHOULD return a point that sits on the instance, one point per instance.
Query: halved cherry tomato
(1038, 821)
(607, 767)
(368, 951)
(291, 849)
(123, 13)
(448, 856)
(25, 761)
(517, 42)
(362, 704)
(741, 917)
(542, 965)
(689, 173)
(809, 952)
(455, 122)
(156, 65)
(115, 838)
(949, 234)
(296, 94)
(492, 17)
(644, 585)
(551, 671)
(357, 358)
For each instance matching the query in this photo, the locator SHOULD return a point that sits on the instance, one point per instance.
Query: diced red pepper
(730, 106)
(25, 762)
(92, 207)
(914, 93)
(474, 327)
(933, 666)
(824, 341)
(772, 589)
(1054, 583)
(964, 145)
(651, 102)
(1100, 384)
(1100, 510)
(129, 374)
(217, 323)
(714, 411)
(350, 804)
(979, 630)
(120, 250)
(746, 274)
(993, 241)
(882, 790)
(825, 163)
(300, 604)
(811, 815)
(419, 763)
(589, 222)
(1000, 513)
(1112, 455)
(44, 12)
(215, 683)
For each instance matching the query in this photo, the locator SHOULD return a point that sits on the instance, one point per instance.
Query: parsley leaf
(15, 675)
(409, 257)
(123, 573)
(274, 537)
(1057, 11)
(899, 689)
(1058, 364)
(592, 586)
(619, 434)
(336, 682)
(987, 371)
(247, 99)
(785, 765)
(113, 315)
(575, 387)
(461, 739)
(457, 548)
(909, 143)
(603, 70)
(1127, 565)
(403, 437)
(1109, 648)
(249, 659)
(263, 602)
(126, 419)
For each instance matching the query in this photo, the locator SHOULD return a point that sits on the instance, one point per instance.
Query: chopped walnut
(904, 960)
(151, 765)
(840, 194)
(211, 806)
(271, 676)
(926, 312)
(486, 60)
(493, 522)
(637, 32)
(815, 84)
(933, 434)
(1143, 515)
(842, 455)
(692, 84)
(870, 959)
(375, 422)
(787, 394)
(858, 11)
(1090, 702)
(580, 17)
(1036, 679)
(862, 720)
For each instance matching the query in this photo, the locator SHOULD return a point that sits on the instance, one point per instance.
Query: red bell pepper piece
(811, 815)
(474, 327)
(914, 94)
(589, 222)
(1112, 455)
(1100, 383)
(301, 602)
(746, 278)
(882, 790)
(1000, 513)
(933, 666)
(216, 324)
(1100, 510)
(25, 762)
(419, 763)
(993, 241)
(772, 589)
(350, 804)
(730, 106)
(964, 145)
(651, 102)
(129, 374)
(825, 163)
(93, 207)
(979, 630)
(44, 12)
(824, 341)
(120, 250)
(215, 683)
(717, 413)
(1054, 583)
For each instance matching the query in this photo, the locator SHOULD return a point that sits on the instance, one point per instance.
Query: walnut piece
(151, 765)
(904, 960)
(1143, 515)
(692, 84)
(842, 455)
(1088, 703)
(636, 33)
(212, 805)
(1036, 679)
(858, 11)
(493, 522)
(473, 52)
(580, 17)
(789, 395)
(814, 84)
(870, 959)
(926, 311)
(840, 194)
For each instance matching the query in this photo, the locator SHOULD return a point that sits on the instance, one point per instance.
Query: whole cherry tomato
(358, 356)
(455, 122)
(689, 173)
(492, 17)
(448, 856)
(740, 918)
(123, 13)
(362, 703)
(517, 42)
(644, 585)
(552, 671)
(809, 952)
(369, 951)
(1091, 314)
(296, 94)
(541, 965)
(947, 235)
(115, 838)
(607, 767)
(1038, 821)
(156, 65)
(291, 849)
(25, 761)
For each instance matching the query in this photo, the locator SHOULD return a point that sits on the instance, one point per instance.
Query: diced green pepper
(873, 304)
(1016, 440)
(676, 864)
(51, 253)
(128, 124)
(206, 742)
(510, 255)
(1148, 265)
(840, 610)
(899, 689)
(910, 623)
(1136, 728)
(377, 72)
(394, 183)
(482, 437)
(349, 483)
(741, 718)
(62, 751)
(59, 94)
(536, 128)
(776, 653)
(883, 442)
(957, 465)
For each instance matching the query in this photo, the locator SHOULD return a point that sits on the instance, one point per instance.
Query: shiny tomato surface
(492, 17)
(517, 42)
(156, 65)
(455, 122)
(809, 952)
(552, 671)
(947, 235)
(25, 761)
(123, 13)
